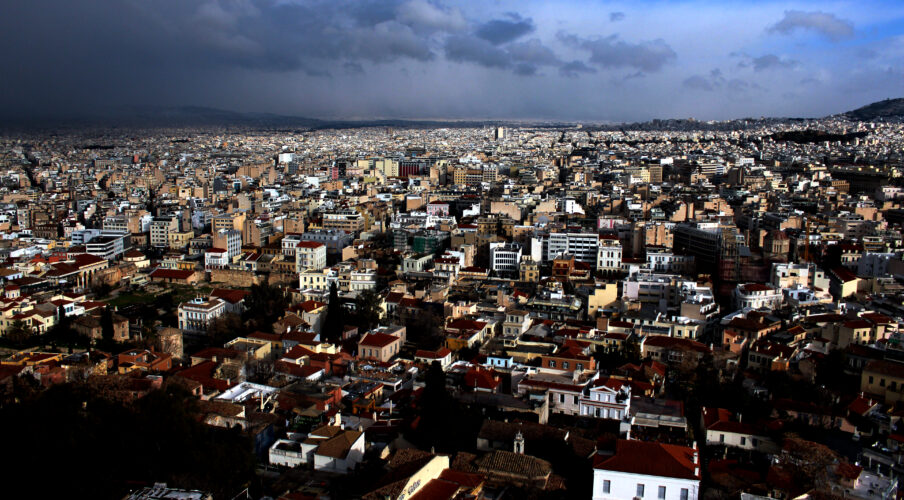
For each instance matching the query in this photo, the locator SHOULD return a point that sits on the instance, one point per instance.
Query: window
(881, 382)
(684, 493)
(871, 379)
(721, 438)
(661, 492)
(552, 364)
(639, 490)
(561, 398)
(743, 440)
(606, 486)
(564, 365)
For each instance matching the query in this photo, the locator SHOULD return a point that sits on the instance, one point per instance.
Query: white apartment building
(790, 275)
(230, 240)
(758, 295)
(606, 398)
(584, 246)
(216, 258)
(161, 227)
(197, 314)
(362, 279)
(664, 290)
(289, 244)
(309, 255)
(108, 246)
(505, 257)
(662, 261)
(116, 223)
(609, 254)
(516, 322)
(447, 266)
(334, 240)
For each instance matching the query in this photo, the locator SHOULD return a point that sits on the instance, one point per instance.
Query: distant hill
(889, 108)
(199, 116)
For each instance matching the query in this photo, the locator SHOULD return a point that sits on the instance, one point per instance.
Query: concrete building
(161, 227)
(757, 295)
(584, 246)
(505, 257)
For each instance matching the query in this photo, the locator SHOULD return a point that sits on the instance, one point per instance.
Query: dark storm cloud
(610, 52)
(824, 23)
(500, 31)
(525, 58)
(462, 48)
(709, 83)
(699, 82)
(533, 52)
(391, 58)
(772, 61)
(575, 69)
(715, 82)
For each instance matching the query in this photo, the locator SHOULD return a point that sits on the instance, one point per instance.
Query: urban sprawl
(455, 313)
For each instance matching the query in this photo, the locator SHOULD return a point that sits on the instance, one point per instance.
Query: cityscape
(210, 292)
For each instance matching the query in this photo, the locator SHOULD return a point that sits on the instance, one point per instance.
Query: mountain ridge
(201, 116)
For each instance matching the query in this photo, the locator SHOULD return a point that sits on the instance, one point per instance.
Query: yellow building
(603, 296)
(884, 379)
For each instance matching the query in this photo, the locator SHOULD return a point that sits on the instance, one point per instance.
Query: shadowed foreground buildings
(709, 311)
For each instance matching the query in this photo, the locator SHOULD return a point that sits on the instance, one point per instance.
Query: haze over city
(419, 59)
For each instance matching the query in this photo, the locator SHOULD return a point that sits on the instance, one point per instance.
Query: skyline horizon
(120, 113)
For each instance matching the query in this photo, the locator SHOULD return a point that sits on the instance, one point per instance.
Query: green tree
(436, 409)
(19, 332)
(332, 325)
(107, 331)
(225, 328)
(630, 351)
(264, 305)
(367, 310)
(62, 331)
(101, 290)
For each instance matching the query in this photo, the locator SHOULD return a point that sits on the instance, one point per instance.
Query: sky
(573, 60)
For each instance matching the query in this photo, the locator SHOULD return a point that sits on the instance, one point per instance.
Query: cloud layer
(826, 24)
(437, 59)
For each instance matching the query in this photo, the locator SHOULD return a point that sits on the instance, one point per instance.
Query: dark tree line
(72, 439)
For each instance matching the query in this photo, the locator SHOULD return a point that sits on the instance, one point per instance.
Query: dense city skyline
(571, 61)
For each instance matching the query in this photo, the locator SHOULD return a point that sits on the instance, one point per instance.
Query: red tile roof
(229, 295)
(378, 340)
(651, 459)
(177, 274)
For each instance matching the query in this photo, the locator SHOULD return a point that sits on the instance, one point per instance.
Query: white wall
(734, 440)
(623, 486)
